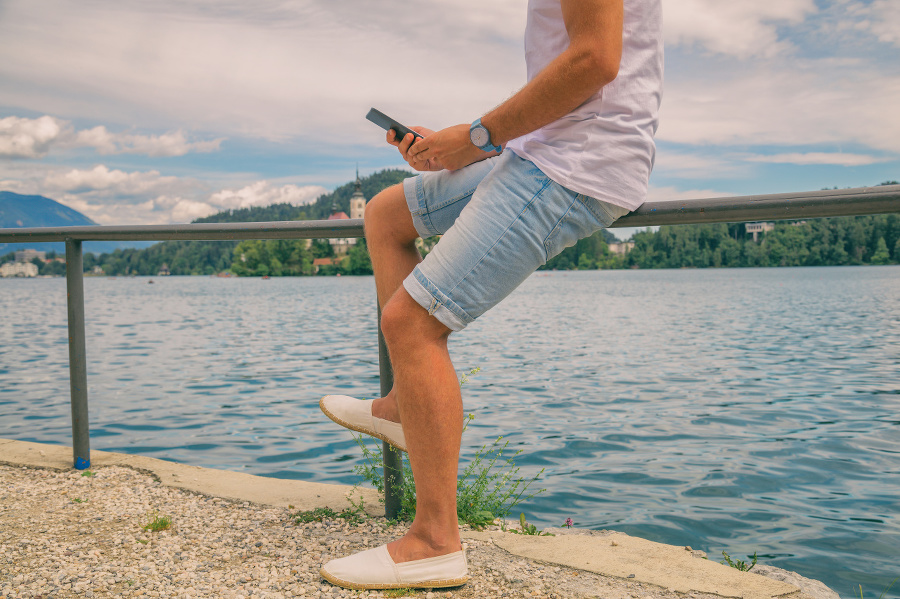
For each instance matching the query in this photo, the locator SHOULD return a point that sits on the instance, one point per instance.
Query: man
(565, 156)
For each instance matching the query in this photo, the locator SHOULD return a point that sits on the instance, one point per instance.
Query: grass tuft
(158, 523)
(353, 515)
(489, 487)
(399, 592)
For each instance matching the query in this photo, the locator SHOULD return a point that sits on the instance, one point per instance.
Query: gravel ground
(64, 534)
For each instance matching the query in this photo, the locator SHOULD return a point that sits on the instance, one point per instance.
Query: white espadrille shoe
(356, 414)
(374, 569)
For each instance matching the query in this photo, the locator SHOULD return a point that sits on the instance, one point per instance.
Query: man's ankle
(386, 409)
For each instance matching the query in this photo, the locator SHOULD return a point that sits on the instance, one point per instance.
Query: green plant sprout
(529, 529)
(740, 564)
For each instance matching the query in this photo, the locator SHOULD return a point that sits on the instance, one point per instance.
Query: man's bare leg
(390, 238)
(429, 402)
(428, 395)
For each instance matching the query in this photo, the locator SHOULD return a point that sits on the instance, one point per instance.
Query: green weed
(489, 487)
(740, 564)
(399, 592)
(883, 593)
(529, 529)
(353, 515)
(79, 500)
(158, 523)
(88, 473)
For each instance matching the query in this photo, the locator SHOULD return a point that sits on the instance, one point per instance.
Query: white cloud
(742, 28)
(181, 210)
(835, 158)
(273, 70)
(686, 165)
(34, 138)
(794, 104)
(28, 138)
(672, 194)
(885, 20)
(168, 144)
(113, 196)
(262, 193)
(110, 182)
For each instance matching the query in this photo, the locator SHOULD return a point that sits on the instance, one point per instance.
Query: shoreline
(66, 534)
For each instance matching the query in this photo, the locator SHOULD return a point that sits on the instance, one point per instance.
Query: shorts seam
(518, 218)
(556, 229)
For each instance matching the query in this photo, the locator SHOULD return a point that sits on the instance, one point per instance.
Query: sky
(136, 112)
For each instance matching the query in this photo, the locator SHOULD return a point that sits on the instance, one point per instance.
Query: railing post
(393, 460)
(81, 443)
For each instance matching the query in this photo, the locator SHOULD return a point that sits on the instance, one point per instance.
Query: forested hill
(318, 210)
(209, 257)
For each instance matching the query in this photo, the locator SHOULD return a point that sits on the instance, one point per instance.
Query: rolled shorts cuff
(427, 295)
(414, 191)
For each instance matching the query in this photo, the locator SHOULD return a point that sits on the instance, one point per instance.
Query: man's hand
(419, 164)
(450, 147)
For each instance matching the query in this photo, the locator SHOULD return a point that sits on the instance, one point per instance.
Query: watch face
(479, 136)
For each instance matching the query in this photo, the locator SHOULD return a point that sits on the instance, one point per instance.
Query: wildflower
(568, 523)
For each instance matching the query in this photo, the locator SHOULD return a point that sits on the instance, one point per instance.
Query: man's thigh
(517, 218)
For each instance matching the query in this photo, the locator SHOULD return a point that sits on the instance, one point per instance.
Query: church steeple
(357, 200)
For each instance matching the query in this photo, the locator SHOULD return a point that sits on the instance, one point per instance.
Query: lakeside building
(19, 269)
(357, 210)
(621, 248)
(757, 228)
(29, 255)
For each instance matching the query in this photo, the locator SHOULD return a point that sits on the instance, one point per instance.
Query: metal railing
(829, 203)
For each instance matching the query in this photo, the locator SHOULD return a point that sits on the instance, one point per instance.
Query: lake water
(739, 410)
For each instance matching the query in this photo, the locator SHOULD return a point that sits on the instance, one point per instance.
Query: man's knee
(387, 217)
(404, 321)
(383, 214)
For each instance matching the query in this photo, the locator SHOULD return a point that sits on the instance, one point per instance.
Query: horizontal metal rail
(779, 206)
(795, 206)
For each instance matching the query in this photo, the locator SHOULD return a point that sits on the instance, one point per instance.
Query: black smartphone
(386, 122)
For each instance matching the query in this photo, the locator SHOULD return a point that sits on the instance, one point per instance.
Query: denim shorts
(501, 219)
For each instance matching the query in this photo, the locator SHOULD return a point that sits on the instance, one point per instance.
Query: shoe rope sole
(360, 429)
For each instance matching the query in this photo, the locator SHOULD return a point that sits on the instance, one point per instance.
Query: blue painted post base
(82, 464)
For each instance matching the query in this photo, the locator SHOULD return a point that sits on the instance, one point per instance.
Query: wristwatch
(481, 137)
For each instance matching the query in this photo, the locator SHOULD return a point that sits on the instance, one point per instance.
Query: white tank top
(604, 148)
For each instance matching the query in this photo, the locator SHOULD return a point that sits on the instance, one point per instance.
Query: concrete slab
(237, 486)
(630, 558)
(611, 554)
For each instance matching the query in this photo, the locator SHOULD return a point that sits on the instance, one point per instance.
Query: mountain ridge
(18, 211)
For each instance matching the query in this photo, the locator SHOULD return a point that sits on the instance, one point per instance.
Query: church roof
(338, 216)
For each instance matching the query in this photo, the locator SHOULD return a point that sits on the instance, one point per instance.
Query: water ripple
(745, 410)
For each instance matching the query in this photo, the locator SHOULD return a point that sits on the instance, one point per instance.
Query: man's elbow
(606, 65)
(600, 64)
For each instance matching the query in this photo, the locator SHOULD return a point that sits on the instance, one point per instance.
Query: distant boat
(266, 277)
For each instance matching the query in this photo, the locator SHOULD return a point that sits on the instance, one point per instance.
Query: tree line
(852, 240)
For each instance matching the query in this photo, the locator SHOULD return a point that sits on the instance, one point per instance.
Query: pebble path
(80, 534)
